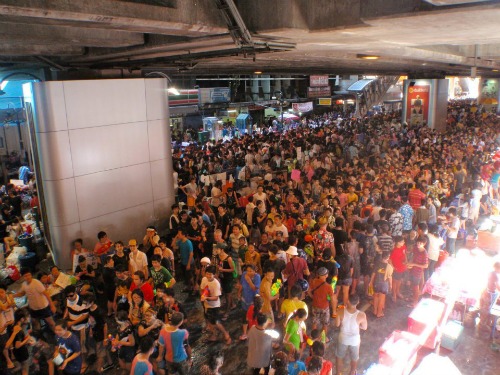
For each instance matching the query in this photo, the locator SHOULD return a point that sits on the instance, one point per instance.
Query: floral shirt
(323, 240)
(407, 213)
(396, 223)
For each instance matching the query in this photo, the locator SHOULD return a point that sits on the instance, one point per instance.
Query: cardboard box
(424, 320)
(399, 352)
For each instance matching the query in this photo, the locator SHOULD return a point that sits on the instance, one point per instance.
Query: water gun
(309, 249)
(307, 339)
(275, 288)
(323, 336)
(334, 282)
(167, 283)
(205, 292)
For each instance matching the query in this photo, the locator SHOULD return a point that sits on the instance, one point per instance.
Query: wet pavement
(473, 356)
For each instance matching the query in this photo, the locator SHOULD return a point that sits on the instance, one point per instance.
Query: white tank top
(349, 330)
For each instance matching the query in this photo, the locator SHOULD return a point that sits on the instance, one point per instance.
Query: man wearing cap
(320, 290)
(138, 259)
(296, 268)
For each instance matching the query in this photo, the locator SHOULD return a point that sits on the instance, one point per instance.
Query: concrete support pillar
(103, 158)
(266, 86)
(255, 88)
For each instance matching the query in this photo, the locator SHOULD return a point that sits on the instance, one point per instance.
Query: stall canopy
(243, 120)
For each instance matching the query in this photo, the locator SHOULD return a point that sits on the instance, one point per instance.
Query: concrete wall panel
(158, 132)
(155, 99)
(55, 155)
(62, 205)
(51, 110)
(109, 147)
(117, 189)
(104, 102)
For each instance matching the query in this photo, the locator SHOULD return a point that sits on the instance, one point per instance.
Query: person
(22, 341)
(295, 365)
(185, 247)
(296, 268)
(68, 347)
(250, 284)
(103, 245)
(265, 293)
(149, 328)
(122, 288)
(318, 351)
(85, 273)
(259, 346)
(141, 364)
(253, 257)
(489, 297)
(124, 341)
(120, 257)
(138, 261)
(150, 240)
(167, 304)
(7, 306)
(381, 281)
(398, 261)
(350, 320)
(323, 296)
(159, 274)
(139, 282)
(98, 333)
(292, 304)
(211, 292)
(138, 307)
(345, 273)
(315, 366)
(226, 269)
(76, 313)
(435, 244)
(452, 226)
(418, 264)
(108, 276)
(172, 349)
(295, 330)
(40, 304)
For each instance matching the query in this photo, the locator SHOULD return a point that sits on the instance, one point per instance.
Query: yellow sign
(325, 101)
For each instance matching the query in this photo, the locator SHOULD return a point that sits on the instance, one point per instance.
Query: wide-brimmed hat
(292, 250)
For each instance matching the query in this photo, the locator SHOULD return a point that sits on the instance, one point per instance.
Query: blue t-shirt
(141, 368)
(174, 344)
(68, 346)
(247, 292)
(185, 249)
(295, 367)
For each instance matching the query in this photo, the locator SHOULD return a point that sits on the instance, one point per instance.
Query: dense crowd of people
(303, 226)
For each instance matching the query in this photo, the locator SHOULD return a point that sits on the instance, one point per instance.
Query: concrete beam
(53, 35)
(192, 19)
(212, 42)
(8, 49)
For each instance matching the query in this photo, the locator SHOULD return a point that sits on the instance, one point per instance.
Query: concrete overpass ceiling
(285, 36)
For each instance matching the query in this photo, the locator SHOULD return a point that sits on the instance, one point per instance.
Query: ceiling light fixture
(257, 72)
(495, 70)
(367, 57)
(173, 91)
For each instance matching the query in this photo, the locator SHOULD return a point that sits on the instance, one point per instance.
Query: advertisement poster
(319, 92)
(325, 101)
(417, 104)
(318, 81)
(302, 107)
(214, 95)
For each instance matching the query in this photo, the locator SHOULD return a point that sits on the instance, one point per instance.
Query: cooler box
(424, 319)
(399, 352)
(452, 332)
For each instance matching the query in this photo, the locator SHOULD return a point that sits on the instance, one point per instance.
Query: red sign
(317, 81)
(319, 92)
(417, 104)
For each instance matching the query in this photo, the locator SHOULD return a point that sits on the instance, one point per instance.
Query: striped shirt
(77, 309)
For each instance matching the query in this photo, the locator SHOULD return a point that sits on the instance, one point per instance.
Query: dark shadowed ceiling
(428, 38)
